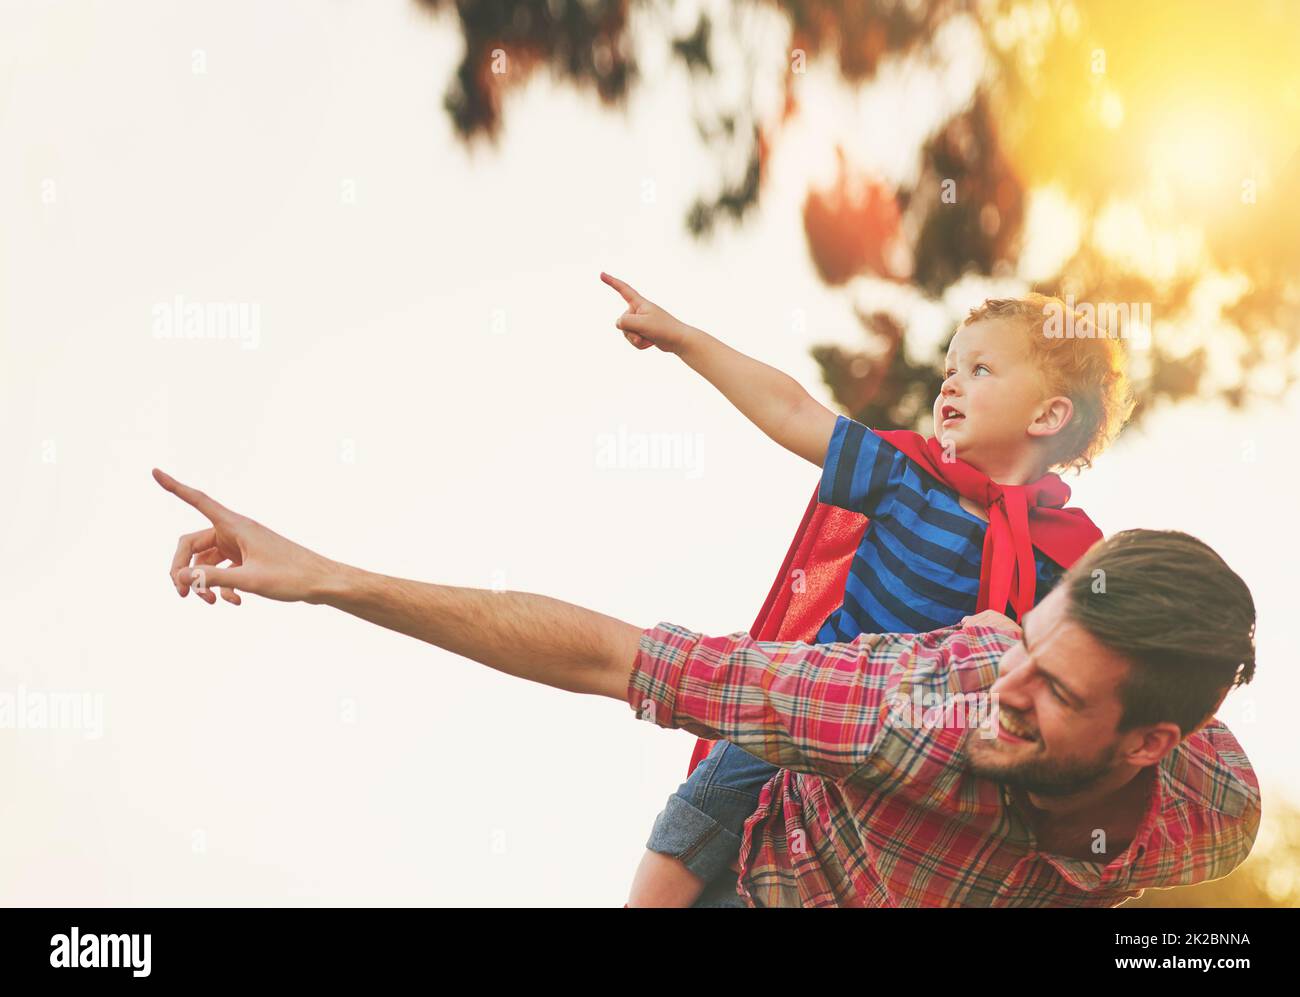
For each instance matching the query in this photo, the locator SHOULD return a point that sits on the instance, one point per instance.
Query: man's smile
(1013, 730)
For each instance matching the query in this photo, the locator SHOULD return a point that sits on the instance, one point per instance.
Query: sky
(430, 385)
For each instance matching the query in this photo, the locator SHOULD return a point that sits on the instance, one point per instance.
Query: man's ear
(1052, 416)
(1158, 741)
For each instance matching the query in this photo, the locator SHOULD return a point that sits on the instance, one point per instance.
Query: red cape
(810, 585)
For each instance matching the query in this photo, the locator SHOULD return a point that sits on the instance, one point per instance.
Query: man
(1099, 770)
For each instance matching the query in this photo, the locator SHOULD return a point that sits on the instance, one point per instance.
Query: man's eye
(1057, 694)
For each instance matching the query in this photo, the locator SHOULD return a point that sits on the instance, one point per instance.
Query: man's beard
(1048, 776)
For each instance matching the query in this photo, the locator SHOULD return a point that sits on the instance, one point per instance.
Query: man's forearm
(769, 398)
(531, 636)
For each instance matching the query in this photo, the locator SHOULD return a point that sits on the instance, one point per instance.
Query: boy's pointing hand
(645, 324)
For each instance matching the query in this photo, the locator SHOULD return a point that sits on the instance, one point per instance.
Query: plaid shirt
(875, 807)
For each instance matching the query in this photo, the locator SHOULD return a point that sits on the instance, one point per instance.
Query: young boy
(967, 522)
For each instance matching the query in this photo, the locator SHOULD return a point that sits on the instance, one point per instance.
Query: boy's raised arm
(773, 401)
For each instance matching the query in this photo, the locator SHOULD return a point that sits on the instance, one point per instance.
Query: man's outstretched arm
(820, 709)
(531, 636)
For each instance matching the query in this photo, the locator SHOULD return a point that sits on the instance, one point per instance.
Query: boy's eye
(982, 367)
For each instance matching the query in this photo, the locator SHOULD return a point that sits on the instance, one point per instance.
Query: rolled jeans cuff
(695, 839)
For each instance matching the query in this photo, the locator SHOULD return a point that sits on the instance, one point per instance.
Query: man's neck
(1118, 788)
(1116, 803)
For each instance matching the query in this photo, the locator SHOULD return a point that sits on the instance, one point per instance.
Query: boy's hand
(645, 324)
(992, 618)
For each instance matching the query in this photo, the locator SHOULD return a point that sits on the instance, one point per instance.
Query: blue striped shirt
(917, 568)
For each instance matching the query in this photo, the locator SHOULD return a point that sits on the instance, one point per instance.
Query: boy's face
(992, 392)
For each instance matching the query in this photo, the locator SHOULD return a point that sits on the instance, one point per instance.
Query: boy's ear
(1052, 416)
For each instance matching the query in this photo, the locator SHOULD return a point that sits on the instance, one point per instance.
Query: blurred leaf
(1172, 130)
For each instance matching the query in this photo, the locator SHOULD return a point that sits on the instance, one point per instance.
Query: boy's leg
(663, 881)
(697, 836)
(720, 893)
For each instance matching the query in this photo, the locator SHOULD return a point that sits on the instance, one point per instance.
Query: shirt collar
(1131, 863)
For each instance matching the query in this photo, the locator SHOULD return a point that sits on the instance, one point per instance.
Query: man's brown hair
(1171, 606)
(1088, 367)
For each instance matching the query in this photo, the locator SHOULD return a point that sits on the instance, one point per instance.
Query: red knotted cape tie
(1007, 569)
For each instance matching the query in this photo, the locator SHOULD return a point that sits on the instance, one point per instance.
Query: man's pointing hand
(529, 636)
(261, 561)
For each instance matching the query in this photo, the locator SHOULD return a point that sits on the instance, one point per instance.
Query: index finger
(210, 507)
(629, 294)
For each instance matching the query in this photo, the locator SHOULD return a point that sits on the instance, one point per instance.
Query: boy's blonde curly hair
(1088, 368)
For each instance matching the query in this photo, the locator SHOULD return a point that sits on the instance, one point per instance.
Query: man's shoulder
(1209, 810)
(1209, 770)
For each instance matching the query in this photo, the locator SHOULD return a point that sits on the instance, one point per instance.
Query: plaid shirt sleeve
(817, 709)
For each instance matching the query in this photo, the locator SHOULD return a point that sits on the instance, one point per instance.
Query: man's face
(991, 393)
(1059, 689)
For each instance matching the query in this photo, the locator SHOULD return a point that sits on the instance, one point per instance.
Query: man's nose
(1012, 680)
(1013, 695)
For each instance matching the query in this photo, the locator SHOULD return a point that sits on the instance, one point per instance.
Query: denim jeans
(703, 821)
